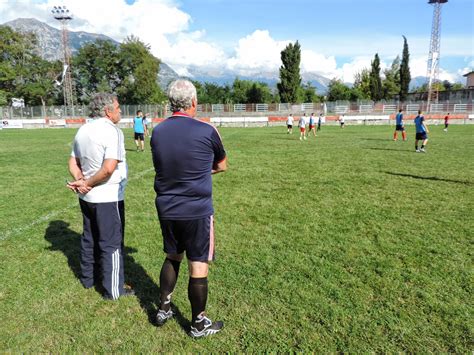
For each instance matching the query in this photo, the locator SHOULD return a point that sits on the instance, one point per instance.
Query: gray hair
(100, 102)
(181, 93)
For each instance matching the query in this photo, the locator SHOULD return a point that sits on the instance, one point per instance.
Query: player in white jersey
(341, 120)
(312, 122)
(302, 126)
(289, 123)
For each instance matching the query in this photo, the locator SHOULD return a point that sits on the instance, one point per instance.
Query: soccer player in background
(289, 123)
(302, 126)
(341, 120)
(139, 131)
(320, 119)
(421, 133)
(399, 126)
(446, 122)
(145, 124)
(312, 121)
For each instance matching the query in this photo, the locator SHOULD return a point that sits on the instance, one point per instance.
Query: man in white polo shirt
(98, 166)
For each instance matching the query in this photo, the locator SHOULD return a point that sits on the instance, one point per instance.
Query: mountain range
(49, 48)
(49, 43)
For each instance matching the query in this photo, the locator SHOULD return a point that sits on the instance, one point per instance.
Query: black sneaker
(203, 326)
(162, 316)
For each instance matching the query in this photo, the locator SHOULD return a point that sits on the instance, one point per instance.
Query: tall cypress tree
(290, 78)
(376, 91)
(405, 76)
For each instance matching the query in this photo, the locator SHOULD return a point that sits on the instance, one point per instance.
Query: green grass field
(347, 242)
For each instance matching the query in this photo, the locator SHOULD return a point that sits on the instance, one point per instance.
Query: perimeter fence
(260, 109)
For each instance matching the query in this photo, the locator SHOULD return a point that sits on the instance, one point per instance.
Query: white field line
(53, 214)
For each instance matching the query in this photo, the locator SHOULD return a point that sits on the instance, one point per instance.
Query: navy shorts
(139, 136)
(399, 127)
(195, 236)
(289, 126)
(421, 136)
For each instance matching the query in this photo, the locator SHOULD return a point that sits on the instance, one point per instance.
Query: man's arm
(75, 171)
(426, 127)
(75, 168)
(220, 166)
(104, 173)
(145, 127)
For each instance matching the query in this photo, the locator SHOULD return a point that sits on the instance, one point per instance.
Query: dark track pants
(102, 245)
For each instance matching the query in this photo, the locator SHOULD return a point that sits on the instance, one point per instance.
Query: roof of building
(469, 73)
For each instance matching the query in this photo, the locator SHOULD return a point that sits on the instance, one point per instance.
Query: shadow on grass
(391, 149)
(64, 239)
(377, 139)
(433, 178)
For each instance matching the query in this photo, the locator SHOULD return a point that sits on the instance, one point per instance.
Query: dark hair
(139, 111)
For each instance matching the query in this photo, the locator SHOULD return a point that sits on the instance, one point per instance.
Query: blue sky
(362, 26)
(345, 29)
(338, 37)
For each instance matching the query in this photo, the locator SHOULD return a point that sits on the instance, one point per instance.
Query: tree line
(131, 71)
(128, 69)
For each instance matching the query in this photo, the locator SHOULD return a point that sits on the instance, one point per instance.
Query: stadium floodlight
(61, 13)
(432, 72)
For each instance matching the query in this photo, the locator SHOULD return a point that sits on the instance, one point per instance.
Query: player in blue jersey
(399, 126)
(185, 153)
(139, 131)
(421, 133)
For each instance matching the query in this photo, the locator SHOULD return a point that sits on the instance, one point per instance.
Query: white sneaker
(163, 316)
(203, 327)
(422, 150)
(417, 151)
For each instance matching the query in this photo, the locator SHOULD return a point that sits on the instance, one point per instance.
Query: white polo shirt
(302, 122)
(94, 142)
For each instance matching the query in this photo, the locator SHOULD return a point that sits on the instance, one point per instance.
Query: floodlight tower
(63, 15)
(433, 57)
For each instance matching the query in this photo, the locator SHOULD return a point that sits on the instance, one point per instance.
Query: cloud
(167, 28)
(390, 45)
(189, 49)
(255, 53)
(349, 70)
(313, 62)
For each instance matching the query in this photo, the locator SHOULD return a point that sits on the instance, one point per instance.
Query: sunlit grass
(346, 242)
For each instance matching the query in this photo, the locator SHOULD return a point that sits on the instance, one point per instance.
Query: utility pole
(433, 57)
(63, 15)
